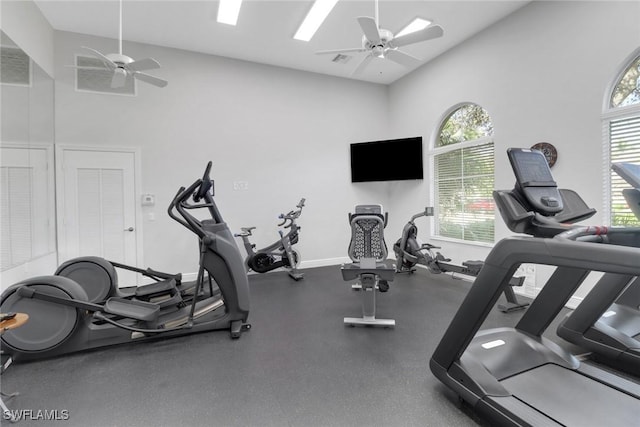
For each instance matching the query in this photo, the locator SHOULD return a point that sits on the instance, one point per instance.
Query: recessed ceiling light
(228, 11)
(314, 19)
(415, 25)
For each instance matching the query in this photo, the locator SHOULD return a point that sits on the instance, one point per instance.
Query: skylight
(314, 19)
(415, 25)
(228, 11)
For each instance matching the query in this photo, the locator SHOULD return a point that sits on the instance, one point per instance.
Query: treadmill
(515, 376)
(611, 332)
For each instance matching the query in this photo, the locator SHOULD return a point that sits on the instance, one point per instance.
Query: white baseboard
(324, 262)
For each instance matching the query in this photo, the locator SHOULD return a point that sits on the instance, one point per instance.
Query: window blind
(624, 136)
(464, 181)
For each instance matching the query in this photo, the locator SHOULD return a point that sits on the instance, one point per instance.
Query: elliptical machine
(280, 253)
(63, 320)
(410, 252)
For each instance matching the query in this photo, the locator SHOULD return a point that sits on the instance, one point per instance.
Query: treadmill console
(534, 182)
(629, 172)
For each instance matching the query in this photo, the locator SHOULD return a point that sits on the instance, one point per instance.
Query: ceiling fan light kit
(123, 66)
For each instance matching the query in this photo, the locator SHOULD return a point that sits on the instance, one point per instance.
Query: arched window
(463, 165)
(621, 129)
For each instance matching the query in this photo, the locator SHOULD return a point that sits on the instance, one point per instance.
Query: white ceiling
(265, 28)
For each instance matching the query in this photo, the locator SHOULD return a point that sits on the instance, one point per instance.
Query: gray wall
(29, 29)
(285, 132)
(542, 74)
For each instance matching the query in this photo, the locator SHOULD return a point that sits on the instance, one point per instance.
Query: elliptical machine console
(62, 318)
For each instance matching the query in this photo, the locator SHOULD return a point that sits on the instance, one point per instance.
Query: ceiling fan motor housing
(385, 37)
(119, 59)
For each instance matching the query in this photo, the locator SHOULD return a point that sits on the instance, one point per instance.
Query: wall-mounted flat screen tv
(388, 160)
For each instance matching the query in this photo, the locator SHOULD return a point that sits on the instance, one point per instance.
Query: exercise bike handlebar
(292, 215)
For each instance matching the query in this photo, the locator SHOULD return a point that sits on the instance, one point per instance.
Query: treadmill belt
(572, 399)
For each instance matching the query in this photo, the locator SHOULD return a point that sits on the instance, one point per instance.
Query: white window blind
(624, 140)
(463, 190)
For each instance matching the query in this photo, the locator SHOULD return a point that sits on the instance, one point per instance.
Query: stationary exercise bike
(410, 252)
(62, 319)
(280, 253)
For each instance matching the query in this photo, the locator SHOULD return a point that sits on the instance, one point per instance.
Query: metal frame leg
(368, 286)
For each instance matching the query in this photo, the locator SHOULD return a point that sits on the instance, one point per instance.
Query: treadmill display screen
(531, 168)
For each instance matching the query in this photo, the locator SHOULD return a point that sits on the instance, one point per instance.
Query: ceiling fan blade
(143, 64)
(362, 65)
(431, 32)
(150, 79)
(107, 62)
(352, 50)
(402, 58)
(369, 28)
(119, 78)
(80, 67)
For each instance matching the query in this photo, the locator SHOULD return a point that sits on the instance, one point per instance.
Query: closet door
(97, 207)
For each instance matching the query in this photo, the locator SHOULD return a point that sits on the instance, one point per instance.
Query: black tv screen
(388, 160)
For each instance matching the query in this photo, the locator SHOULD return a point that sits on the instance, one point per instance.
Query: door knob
(129, 229)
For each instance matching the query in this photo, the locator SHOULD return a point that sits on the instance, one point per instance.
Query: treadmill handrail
(501, 264)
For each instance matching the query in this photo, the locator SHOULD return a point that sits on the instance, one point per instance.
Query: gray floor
(298, 366)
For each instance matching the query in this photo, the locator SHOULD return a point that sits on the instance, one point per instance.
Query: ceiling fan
(381, 43)
(123, 66)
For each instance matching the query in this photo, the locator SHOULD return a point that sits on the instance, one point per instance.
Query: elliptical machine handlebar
(198, 191)
(205, 184)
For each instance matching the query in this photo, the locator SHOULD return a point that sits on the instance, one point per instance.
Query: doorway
(96, 203)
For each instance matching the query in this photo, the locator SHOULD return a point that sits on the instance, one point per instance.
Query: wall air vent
(15, 66)
(341, 59)
(99, 80)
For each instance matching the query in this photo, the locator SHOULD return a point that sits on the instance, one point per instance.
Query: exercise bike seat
(367, 266)
(246, 231)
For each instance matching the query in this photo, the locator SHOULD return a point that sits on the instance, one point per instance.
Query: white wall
(541, 73)
(27, 117)
(29, 29)
(285, 132)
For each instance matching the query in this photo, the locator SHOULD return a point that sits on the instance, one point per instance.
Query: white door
(97, 207)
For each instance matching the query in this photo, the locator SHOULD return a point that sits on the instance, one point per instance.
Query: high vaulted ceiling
(265, 29)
